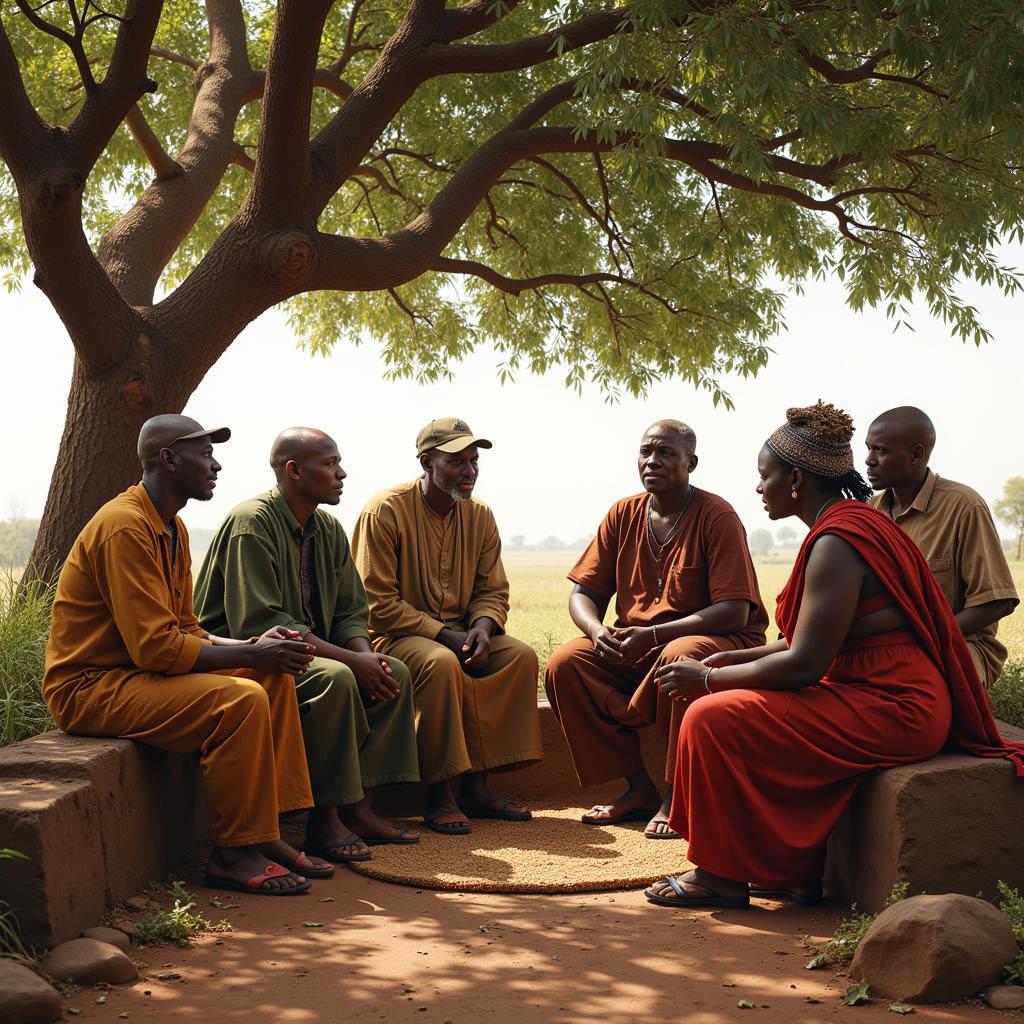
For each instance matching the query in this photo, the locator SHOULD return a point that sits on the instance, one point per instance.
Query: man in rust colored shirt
(677, 562)
(127, 657)
(952, 526)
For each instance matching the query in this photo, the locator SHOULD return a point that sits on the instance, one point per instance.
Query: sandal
(684, 899)
(401, 837)
(329, 851)
(499, 813)
(660, 819)
(254, 885)
(305, 867)
(621, 819)
(447, 828)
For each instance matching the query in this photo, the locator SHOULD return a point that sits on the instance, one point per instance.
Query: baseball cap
(162, 431)
(449, 434)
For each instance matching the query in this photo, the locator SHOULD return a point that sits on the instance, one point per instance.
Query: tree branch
(151, 146)
(474, 17)
(282, 184)
(23, 133)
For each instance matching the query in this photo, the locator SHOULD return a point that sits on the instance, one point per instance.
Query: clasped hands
(622, 645)
(472, 648)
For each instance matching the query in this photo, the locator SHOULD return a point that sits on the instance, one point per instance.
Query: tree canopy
(623, 191)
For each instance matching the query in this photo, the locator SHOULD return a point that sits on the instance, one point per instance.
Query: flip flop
(497, 814)
(329, 852)
(657, 820)
(254, 885)
(621, 819)
(682, 899)
(451, 828)
(396, 839)
(310, 870)
(805, 897)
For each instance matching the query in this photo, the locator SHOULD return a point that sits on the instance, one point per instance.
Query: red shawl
(901, 568)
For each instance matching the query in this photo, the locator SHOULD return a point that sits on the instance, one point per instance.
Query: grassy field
(540, 594)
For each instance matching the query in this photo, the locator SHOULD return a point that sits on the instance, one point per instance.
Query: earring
(793, 494)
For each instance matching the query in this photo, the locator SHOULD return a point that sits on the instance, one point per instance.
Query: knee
(400, 673)
(243, 697)
(562, 663)
(687, 647)
(338, 683)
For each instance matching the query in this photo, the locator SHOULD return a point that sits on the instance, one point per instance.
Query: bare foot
(698, 888)
(658, 827)
(242, 863)
(286, 855)
(635, 804)
(326, 831)
(477, 799)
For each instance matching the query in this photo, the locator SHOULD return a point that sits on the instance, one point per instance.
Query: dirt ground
(360, 950)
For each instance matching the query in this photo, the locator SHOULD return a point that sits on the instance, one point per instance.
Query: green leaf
(902, 1008)
(857, 995)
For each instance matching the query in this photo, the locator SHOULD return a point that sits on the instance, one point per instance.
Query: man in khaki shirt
(952, 526)
(429, 555)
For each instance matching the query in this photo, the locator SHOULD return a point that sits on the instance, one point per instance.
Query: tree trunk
(97, 459)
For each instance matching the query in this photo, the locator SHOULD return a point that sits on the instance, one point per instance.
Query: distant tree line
(16, 539)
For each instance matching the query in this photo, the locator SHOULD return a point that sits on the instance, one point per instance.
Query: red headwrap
(901, 568)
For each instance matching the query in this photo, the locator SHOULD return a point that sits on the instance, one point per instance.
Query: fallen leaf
(815, 962)
(901, 1008)
(101, 1000)
(857, 995)
(312, 924)
(73, 1011)
(217, 902)
(326, 899)
(487, 926)
(745, 1004)
(728, 984)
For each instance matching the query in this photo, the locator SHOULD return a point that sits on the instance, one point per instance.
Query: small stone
(1005, 997)
(88, 961)
(114, 936)
(123, 925)
(137, 903)
(934, 949)
(24, 997)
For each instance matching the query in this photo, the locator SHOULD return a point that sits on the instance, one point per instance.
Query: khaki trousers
(605, 745)
(352, 742)
(244, 726)
(486, 721)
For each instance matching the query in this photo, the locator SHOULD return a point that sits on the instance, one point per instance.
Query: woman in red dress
(871, 671)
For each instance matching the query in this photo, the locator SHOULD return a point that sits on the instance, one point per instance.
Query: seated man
(280, 560)
(676, 560)
(430, 557)
(126, 657)
(952, 526)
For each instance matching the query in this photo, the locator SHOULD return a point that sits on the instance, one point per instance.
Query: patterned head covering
(816, 438)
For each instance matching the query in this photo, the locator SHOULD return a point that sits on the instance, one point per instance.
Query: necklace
(657, 547)
(830, 501)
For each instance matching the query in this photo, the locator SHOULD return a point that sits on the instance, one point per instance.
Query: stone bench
(99, 819)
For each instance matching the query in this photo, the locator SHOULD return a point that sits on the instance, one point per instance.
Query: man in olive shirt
(280, 560)
(952, 526)
(430, 556)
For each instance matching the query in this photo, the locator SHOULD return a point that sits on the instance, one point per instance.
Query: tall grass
(1007, 694)
(24, 627)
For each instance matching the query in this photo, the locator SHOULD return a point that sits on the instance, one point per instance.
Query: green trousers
(351, 741)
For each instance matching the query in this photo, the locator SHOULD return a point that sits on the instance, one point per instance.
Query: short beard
(452, 491)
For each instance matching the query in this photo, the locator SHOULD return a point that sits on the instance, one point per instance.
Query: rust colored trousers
(244, 725)
(602, 733)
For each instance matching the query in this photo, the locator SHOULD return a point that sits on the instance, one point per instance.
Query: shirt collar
(284, 511)
(921, 499)
(149, 510)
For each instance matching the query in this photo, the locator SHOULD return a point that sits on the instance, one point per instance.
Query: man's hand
(373, 674)
(454, 640)
(635, 642)
(607, 645)
(281, 650)
(682, 678)
(476, 648)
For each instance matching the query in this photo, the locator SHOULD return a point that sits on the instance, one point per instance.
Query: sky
(559, 459)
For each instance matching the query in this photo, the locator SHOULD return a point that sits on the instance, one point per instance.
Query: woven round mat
(554, 852)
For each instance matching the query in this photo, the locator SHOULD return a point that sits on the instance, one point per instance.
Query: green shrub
(1008, 694)
(838, 951)
(179, 925)
(24, 628)
(1011, 906)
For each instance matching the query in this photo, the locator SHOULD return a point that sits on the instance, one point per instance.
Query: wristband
(707, 676)
(654, 632)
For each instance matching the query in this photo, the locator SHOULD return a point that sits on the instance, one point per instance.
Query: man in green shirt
(280, 560)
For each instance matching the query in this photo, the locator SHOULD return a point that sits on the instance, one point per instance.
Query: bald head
(899, 444)
(908, 424)
(680, 431)
(294, 444)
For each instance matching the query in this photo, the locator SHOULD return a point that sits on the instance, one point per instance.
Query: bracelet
(707, 676)
(654, 631)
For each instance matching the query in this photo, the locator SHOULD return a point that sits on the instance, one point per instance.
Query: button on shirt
(953, 528)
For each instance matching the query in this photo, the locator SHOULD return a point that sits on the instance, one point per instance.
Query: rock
(1005, 997)
(24, 997)
(137, 903)
(88, 961)
(934, 949)
(114, 936)
(125, 926)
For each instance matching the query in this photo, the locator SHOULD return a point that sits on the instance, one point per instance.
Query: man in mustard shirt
(430, 558)
(952, 526)
(126, 657)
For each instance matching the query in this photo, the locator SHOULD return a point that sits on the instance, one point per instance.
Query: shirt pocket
(942, 569)
(686, 588)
